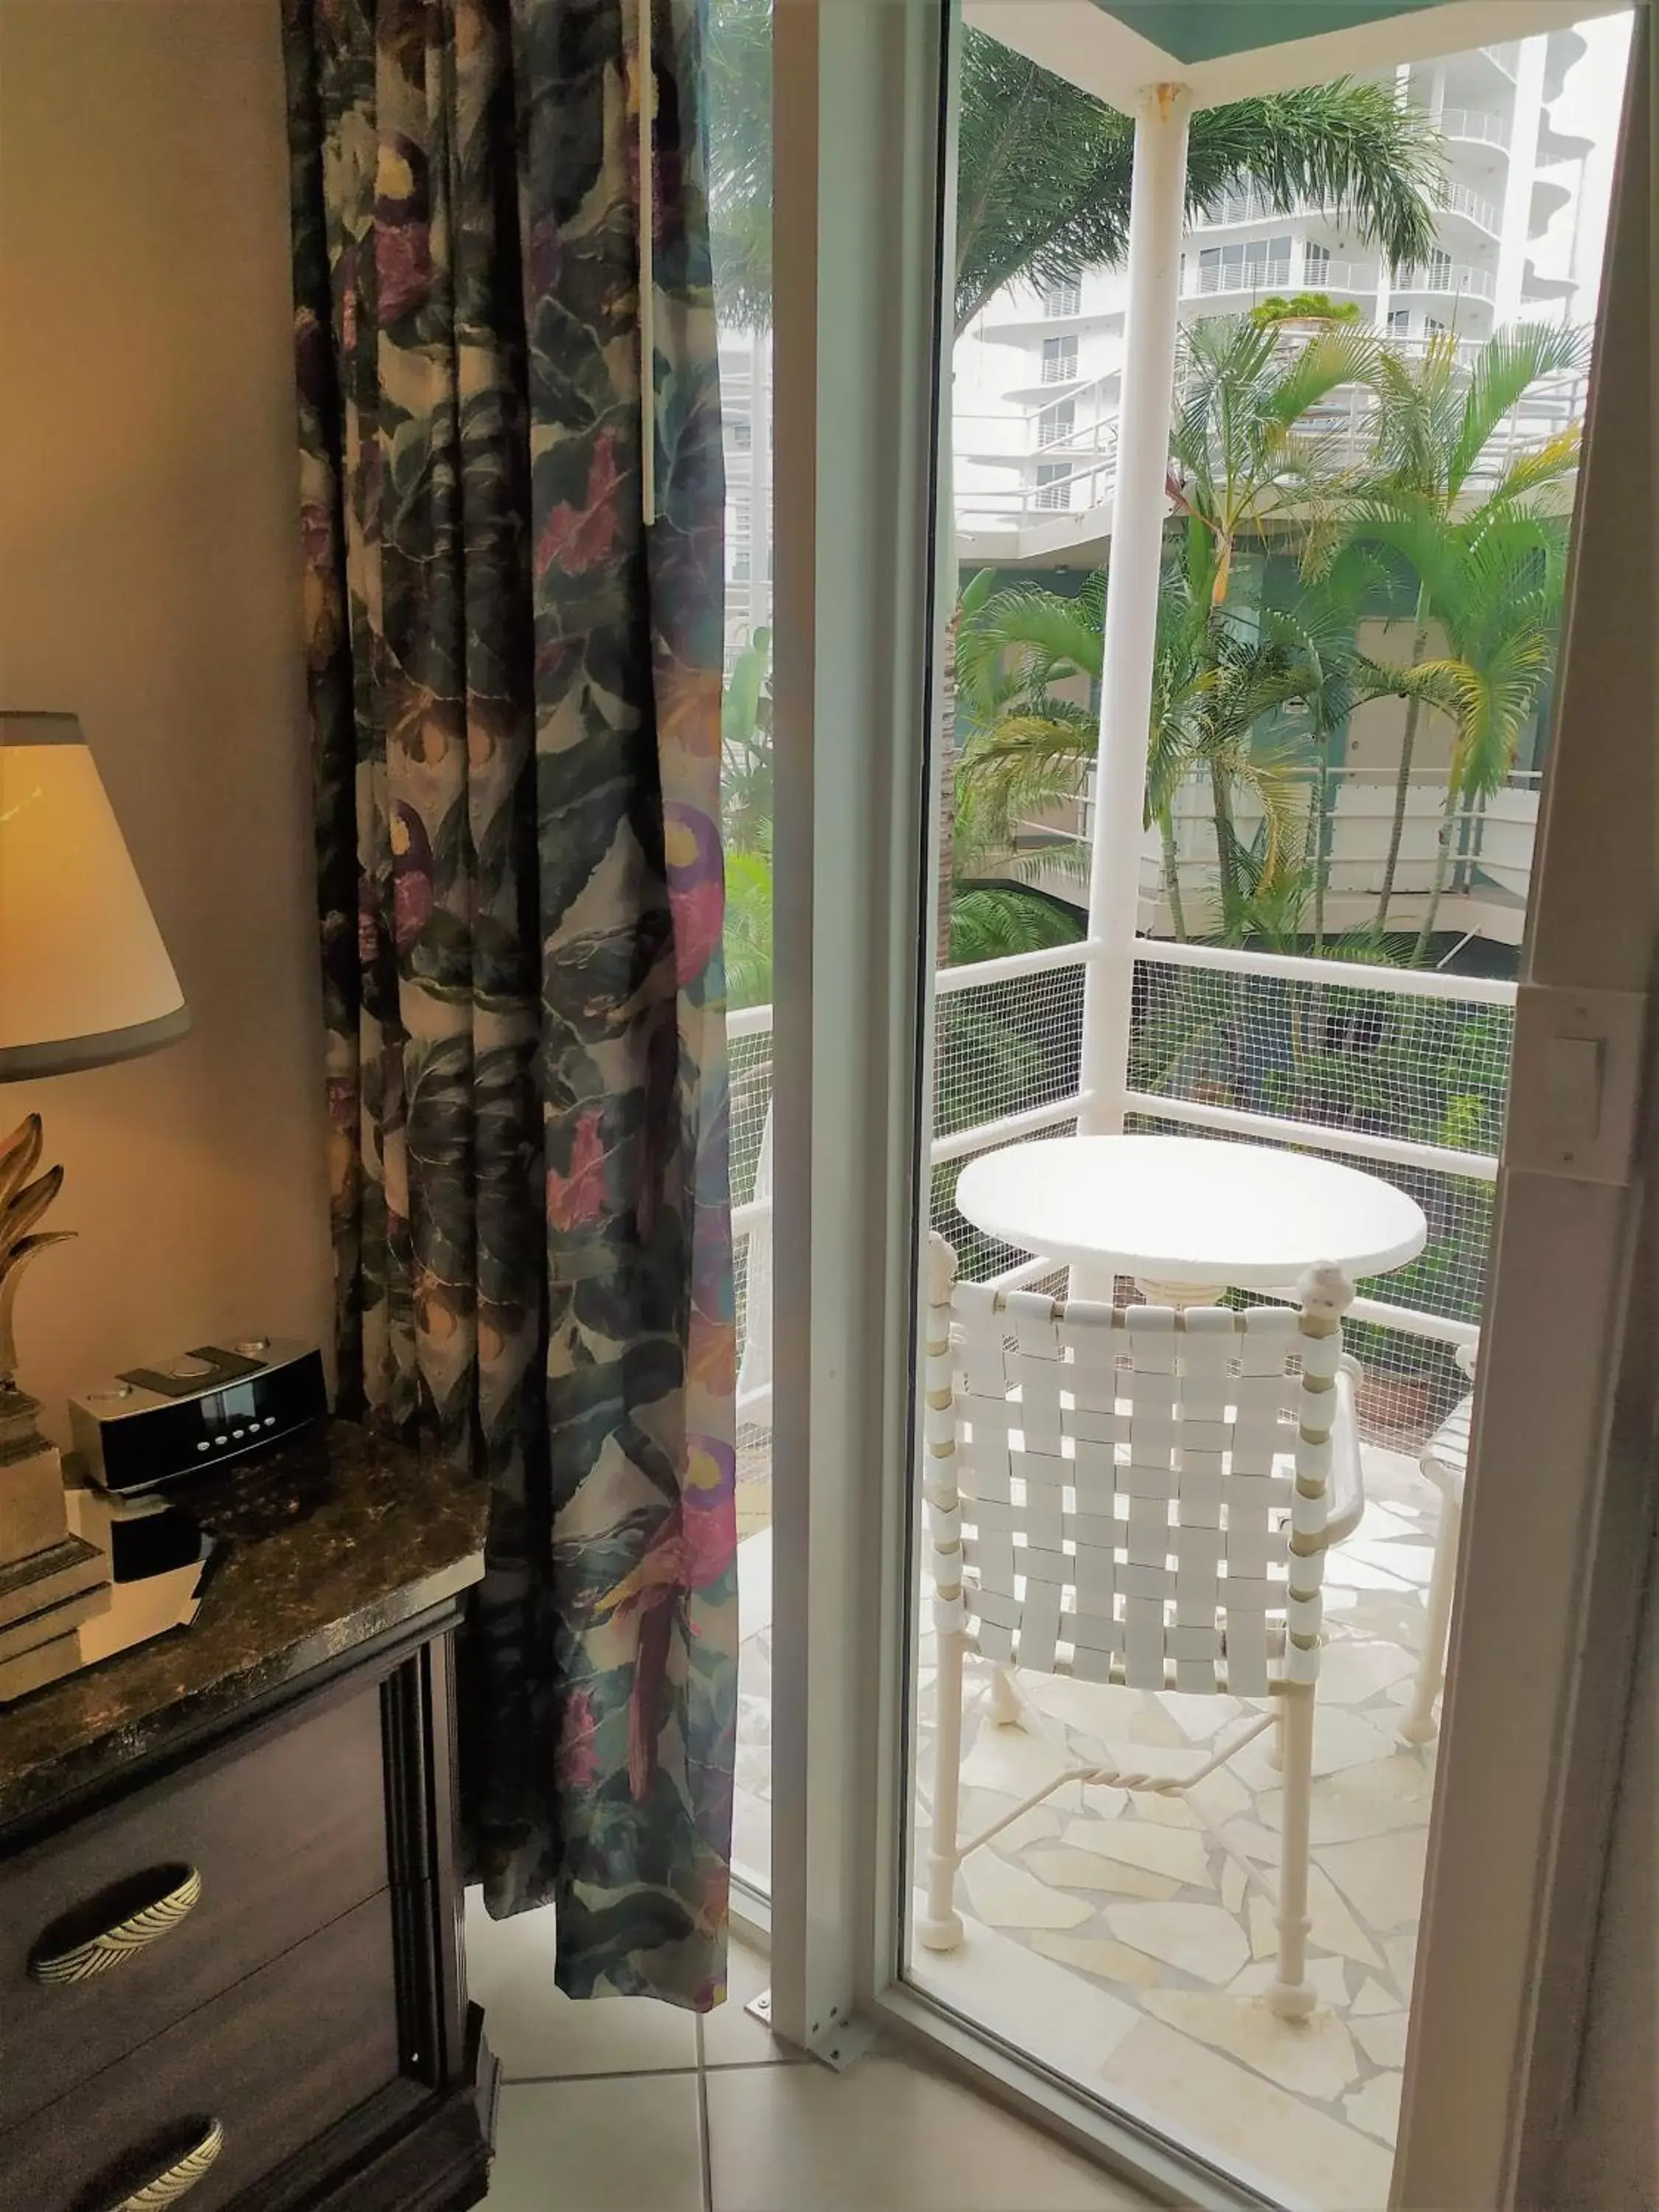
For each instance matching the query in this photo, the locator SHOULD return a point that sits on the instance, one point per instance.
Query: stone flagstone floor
(1122, 1940)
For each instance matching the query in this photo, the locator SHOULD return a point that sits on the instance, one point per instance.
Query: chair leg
(940, 1927)
(1006, 1710)
(1273, 1752)
(1291, 1995)
(1419, 1725)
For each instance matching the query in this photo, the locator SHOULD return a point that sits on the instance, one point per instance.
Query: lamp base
(51, 1579)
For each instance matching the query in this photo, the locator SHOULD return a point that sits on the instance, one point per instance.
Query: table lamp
(84, 980)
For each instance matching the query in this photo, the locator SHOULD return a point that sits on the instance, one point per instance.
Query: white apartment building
(1037, 374)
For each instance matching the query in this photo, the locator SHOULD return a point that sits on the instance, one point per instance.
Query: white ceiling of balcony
(1235, 49)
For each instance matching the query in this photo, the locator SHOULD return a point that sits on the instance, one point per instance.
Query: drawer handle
(97, 1953)
(179, 2180)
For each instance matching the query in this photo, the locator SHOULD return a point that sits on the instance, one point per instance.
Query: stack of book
(51, 1579)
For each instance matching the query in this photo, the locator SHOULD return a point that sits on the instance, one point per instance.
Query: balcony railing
(1344, 421)
(1090, 458)
(1453, 276)
(1404, 1071)
(1458, 199)
(1252, 277)
(1476, 123)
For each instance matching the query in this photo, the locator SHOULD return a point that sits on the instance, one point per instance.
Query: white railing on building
(1479, 123)
(1377, 1148)
(1459, 199)
(1457, 277)
(1079, 468)
(1060, 368)
(1202, 280)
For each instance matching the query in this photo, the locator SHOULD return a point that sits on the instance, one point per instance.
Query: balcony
(1103, 1935)
(1457, 278)
(1472, 206)
(1253, 278)
(1477, 125)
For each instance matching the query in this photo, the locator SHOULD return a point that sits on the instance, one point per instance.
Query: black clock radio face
(156, 1424)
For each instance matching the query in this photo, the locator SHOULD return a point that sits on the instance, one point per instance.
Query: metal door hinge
(841, 2045)
(1576, 1092)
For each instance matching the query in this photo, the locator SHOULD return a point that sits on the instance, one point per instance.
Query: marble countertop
(324, 1545)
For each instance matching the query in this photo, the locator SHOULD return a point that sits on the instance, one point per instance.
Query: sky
(1591, 101)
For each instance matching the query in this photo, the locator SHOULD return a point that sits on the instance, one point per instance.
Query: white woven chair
(1445, 1461)
(1142, 1498)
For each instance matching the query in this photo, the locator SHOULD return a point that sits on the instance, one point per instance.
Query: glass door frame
(863, 151)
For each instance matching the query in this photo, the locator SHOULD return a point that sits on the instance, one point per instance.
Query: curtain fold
(514, 688)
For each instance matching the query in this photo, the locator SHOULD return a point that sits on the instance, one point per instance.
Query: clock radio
(156, 1424)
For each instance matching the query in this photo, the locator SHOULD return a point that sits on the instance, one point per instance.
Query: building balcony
(1475, 126)
(1458, 279)
(1248, 281)
(1472, 206)
(1098, 1932)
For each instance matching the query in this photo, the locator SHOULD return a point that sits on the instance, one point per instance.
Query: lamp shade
(84, 976)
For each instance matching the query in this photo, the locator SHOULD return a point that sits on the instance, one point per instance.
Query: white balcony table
(1188, 1217)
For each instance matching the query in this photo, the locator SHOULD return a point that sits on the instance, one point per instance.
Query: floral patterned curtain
(514, 656)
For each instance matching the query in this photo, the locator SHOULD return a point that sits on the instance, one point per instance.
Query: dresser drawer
(202, 1877)
(267, 2067)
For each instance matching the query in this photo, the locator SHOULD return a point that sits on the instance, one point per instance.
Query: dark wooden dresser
(231, 1970)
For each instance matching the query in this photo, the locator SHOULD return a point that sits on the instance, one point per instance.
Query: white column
(1156, 204)
(1517, 191)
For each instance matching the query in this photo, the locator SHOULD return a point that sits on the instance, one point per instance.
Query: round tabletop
(1189, 1210)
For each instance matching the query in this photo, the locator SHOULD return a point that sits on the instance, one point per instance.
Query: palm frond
(991, 920)
(1543, 465)
(1344, 145)
(1505, 369)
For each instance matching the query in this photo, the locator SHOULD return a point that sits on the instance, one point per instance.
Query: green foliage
(747, 747)
(1043, 169)
(993, 921)
(748, 936)
(1305, 308)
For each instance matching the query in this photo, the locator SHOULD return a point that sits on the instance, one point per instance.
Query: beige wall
(147, 583)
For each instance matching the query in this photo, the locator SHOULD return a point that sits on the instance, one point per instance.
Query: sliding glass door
(1120, 789)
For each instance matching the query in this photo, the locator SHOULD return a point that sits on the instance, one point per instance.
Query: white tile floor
(626, 2105)
(1127, 1941)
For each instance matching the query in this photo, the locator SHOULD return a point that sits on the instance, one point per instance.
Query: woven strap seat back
(1131, 1488)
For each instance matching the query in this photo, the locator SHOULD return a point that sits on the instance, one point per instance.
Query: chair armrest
(1347, 1481)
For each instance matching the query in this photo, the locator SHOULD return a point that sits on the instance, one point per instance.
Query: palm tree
(1214, 680)
(1495, 578)
(1043, 176)
(1251, 461)
(1435, 417)
(1043, 189)
(1247, 463)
